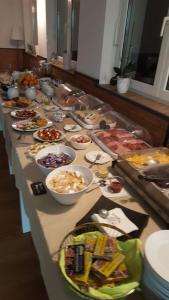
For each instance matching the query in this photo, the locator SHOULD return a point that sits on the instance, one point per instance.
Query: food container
(148, 157)
(69, 198)
(56, 149)
(117, 141)
(156, 197)
(65, 97)
(59, 116)
(90, 102)
(30, 92)
(13, 92)
(80, 141)
(94, 119)
(91, 230)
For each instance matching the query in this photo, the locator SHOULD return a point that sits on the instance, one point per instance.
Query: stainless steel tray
(114, 154)
(157, 199)
(150, 152)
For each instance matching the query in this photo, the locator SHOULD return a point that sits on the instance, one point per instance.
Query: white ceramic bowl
(56, 149)
(65, 198)
(78, 145)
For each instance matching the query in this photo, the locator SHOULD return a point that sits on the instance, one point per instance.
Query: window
(67, 14)
(144, 46)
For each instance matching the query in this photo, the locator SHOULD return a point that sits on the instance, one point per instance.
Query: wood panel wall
(11, 56)
(30, 61)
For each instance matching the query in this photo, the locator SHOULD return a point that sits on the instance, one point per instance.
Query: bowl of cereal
(52, 157)
(68, 183)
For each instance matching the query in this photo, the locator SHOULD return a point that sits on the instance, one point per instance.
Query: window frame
(157, 90)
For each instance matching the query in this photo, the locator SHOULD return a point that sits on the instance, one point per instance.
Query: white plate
(72, 128)
(34, 148)
(35, 135)
(91, 156)
(156, 252)
(51, 107)
(13, 114)
(16, 107)
(14, 126)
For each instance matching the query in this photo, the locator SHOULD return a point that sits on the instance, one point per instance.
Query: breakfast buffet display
(94, 264)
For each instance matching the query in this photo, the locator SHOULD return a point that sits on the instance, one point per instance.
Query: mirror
(30, 25)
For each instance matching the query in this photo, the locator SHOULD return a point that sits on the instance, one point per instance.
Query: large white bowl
(65, 198)
(56, 149)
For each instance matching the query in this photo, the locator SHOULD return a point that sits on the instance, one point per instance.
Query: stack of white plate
(156, 265)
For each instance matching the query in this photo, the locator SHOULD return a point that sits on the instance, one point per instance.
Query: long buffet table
(48, 221)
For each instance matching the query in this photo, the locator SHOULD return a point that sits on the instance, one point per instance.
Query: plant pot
(123, 85)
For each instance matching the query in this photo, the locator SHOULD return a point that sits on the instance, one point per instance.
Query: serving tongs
(160, 177)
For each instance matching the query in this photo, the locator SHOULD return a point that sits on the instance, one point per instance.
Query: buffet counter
(49, 221)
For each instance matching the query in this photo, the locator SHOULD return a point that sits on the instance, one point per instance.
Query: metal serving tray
(150, 152)
(157, 199)
(102, 145)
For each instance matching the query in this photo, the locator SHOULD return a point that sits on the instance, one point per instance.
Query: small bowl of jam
(116, 184)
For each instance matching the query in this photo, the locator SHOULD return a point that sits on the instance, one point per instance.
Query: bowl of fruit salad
(80, 141)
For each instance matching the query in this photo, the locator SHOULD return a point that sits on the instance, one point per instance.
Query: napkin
(117, 218)
(139, 219)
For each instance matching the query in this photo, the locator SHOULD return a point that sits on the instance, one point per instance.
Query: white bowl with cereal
(68, 183)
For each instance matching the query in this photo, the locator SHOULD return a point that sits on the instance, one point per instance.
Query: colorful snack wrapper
(83, 278)
(118, 275)
(104, 269)
(105, 247)
(90, 244)
(74, 259)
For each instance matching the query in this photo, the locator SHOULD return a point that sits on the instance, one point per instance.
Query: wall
(111, 47)
(91, 28)
(10, 15)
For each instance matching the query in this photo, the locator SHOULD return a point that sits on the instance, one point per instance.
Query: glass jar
(102, 171)
(13, 92)
(30, 92)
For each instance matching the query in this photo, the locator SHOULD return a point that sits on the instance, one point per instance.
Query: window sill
(145, 102)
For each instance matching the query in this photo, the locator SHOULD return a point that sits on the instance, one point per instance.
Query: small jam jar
(116, 184)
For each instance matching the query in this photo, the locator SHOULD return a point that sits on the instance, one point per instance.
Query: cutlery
(98, 156)
(100, 183)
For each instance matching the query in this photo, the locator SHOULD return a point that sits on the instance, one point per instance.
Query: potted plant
(122, 77)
